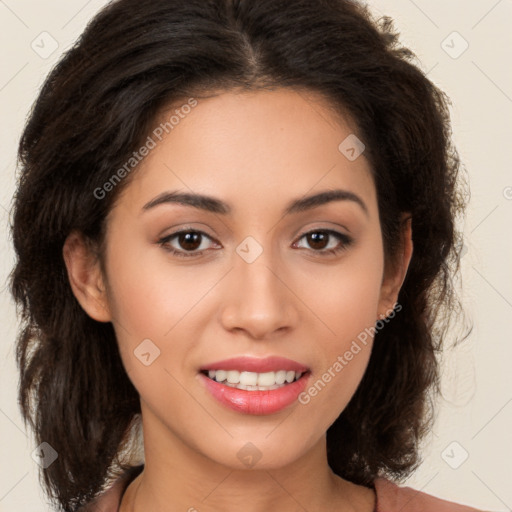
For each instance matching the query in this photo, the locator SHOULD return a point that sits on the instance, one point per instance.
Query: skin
(256, 151)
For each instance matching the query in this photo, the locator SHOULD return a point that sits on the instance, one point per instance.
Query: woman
(235, 224)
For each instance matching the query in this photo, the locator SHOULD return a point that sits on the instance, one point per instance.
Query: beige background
(475, 418)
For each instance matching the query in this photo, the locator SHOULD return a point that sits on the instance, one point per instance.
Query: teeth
(252, 388)
(233, 377)
(266, 379)
(281, 376)
(291, 375)
(249, 378)
(252, 381)
(220, 375)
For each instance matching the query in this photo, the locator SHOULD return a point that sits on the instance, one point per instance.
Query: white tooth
(220, 375)
(266, 379)
(290, 376)
(280, 376)
(252, 381)
(233, 376)
(248, 378)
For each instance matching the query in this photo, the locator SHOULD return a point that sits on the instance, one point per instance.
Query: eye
(320, 240)
(190, 241)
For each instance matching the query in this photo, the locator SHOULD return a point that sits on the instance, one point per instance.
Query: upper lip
(257, 365)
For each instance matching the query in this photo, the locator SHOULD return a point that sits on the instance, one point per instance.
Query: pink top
(390, 498)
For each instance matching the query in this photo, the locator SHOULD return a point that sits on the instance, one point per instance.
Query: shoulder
(110, 499)
(391, 498)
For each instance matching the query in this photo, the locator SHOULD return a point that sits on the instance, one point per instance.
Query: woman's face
(251, 282)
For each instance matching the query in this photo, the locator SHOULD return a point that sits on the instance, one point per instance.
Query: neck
(191, 482)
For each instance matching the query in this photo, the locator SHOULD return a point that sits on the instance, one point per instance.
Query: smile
(252, 381)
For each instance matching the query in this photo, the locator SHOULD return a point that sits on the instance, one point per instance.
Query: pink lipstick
(255, 385)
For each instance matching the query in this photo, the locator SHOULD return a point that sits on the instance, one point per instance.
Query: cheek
(139, 302)
(154, 305)
(347, 303)
(346, 296)
(148, 294)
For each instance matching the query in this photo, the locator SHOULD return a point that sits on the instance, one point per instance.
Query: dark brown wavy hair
(99, 103)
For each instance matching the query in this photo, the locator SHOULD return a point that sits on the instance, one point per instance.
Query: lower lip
(256, 402)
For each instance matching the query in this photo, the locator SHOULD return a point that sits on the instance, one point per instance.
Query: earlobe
(395, 277)
(85, 277)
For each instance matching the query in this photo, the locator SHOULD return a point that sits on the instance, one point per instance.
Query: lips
(257, 365)
(253, 399)
(256, 402)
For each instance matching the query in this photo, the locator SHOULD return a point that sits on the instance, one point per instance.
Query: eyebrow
(214, 205)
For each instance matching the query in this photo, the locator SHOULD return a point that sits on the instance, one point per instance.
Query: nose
(259, 300)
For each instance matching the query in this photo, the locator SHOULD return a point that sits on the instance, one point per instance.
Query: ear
(394, 275)
(85, 277)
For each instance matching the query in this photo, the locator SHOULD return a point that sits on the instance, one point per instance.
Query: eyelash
(345, 240)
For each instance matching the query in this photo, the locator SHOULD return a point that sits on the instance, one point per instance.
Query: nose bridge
(259, 302)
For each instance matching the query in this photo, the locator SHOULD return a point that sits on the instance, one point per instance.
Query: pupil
(190, 238)
(316, 237)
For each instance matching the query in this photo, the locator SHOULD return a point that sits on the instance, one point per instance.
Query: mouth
(251, 385)
(253, 381)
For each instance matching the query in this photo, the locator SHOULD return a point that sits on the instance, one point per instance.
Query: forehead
(252, 146)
